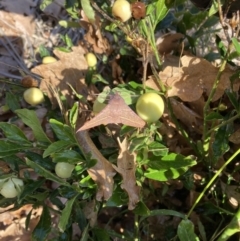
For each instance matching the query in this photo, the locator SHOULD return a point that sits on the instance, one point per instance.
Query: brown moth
(116, 112)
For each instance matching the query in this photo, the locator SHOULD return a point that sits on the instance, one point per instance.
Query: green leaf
(30, 118)
(80, 97)
(28, 219)
(43, 162)
(161, 11)
(62, 131)
(100, 234)
(88, 10)
(64, 219)
(98, 78)
(221, 143)
(171, 160)
(63, 49)
(43, 227)
(68, 156)
(236, 45)
(233, 55)
(79, 215)
(12, 101)
(85, 234)
(158, 149)
(73, 115)
(165, 212)
(202, 231)
(156, 11)
(43, 51)
(164, 175)
(168, 167)
(39, 197)
(45, 3)
(129, 96)
(8, 148)
(233, 97)
(13, 133)
(231, 228)
(186, 231)
(72, 7)
(115, 201)
(221, 47)
(214, 116)
(213, 9)
(141, 209)
(14, 162)
(56, 147)
(30, 188)
(45, 173)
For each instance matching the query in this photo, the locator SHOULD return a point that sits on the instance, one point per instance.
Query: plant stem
(224, 123)
(212, 180)
(136, 228)
(206, 134)
(181, 130)
(232, 227)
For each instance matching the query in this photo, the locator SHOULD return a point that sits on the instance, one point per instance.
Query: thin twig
(222, 21)
(212, 180)
(96, 7)
(12, 51)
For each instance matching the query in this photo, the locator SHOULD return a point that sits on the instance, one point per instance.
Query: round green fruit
(49, 60)
(9, 189)
(122, 10)
(150, 107)
(64, 170)
(98, 106)
(91, 59)
(33, 96)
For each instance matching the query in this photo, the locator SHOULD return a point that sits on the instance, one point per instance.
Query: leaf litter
(190, 80)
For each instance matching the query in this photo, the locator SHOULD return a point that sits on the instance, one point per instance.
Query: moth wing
(130, 118)
(122, 113)
(102, 118)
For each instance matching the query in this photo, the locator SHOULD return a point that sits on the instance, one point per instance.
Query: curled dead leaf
(195, 77)
(168, 42)
(90, 212)
(93, 35)
(187, 116)
(102, 172)
(126, 167)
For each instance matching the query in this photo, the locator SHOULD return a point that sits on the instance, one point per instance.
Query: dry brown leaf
(69, 69)
(195, 77)
(102, 172)
(7, 62)
(54, 8)
(233, 194)
(168, 42)
(187, 116)
(93, 35)
(116, 112)
(197, 106)
(235, 137)
(20, 17)
(14, 222)
(90, 212)
(116, 70)
(4, 168)
(126, 166)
